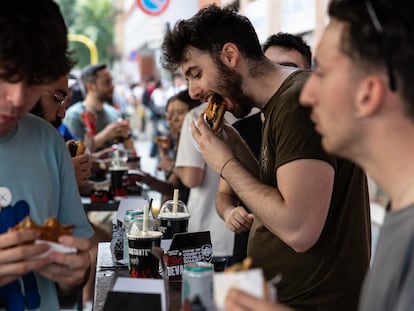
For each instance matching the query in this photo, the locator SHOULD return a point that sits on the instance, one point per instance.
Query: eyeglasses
(379, 31)
(58, 97)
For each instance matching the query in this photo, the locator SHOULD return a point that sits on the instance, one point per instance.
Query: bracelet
(224, 165)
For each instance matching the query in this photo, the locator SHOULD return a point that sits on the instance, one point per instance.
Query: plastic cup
(172, 223)
(119, 180)
(142, 263)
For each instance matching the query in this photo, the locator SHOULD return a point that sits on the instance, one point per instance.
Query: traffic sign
(153, 7)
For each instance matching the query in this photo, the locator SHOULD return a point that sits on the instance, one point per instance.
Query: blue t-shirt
(36, 169)
(64, 131)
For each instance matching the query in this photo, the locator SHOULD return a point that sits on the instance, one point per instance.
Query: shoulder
(41, 133)
(31, 122)
(296, 80)
(75, 109)
(111, 110)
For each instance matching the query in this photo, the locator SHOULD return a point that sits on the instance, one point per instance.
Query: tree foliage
(94, 19)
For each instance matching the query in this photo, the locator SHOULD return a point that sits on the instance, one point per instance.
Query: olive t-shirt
(329, 275)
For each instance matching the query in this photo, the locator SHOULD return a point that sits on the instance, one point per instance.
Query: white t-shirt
(201, 202)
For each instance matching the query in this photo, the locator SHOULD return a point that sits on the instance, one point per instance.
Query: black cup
(171, 226)
(142, 263)
(119, 180)
(219, 263)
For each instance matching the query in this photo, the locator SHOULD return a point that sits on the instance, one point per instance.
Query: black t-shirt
(329, 275)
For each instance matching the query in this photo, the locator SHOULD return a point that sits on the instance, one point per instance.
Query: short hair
(290, 41)
(33, 38)
(90, 73)
(185, 98)
(370, 50)
(208, 31)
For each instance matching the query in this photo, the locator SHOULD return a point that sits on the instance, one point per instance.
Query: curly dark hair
(33, 40)
(391, 50)
(290, 41)
(208, 31)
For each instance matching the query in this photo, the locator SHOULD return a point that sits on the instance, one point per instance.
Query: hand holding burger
(51, 230)
(214, 113)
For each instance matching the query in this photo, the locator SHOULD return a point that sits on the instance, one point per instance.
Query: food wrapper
(241, 277)
(55, 247)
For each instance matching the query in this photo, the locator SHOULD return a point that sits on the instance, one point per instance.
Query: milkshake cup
(142, 263)
(173, 220)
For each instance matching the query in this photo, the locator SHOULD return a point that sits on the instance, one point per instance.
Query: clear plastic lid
(169, 211)
(135, 229)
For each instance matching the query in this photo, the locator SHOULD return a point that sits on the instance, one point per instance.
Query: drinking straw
(175, 201)
(150, 205)
(145, 220)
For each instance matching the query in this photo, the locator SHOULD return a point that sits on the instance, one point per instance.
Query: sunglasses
(380, 35)
(58, 97)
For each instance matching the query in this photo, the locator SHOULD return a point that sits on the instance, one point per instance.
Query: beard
(230, 86)
(56, 122)
(105, 97)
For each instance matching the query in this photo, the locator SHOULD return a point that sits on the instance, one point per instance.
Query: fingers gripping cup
(174, 217)
(142, 263)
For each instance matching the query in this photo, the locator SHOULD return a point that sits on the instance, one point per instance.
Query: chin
(326, 146)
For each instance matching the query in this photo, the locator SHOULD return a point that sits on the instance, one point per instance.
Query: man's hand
(215, 150)
(69, 271)
(238, 300)
(117, 129)
(82, 166)
(17, 254)
(238, 219)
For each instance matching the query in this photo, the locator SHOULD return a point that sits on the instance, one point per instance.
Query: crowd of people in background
(283, 182)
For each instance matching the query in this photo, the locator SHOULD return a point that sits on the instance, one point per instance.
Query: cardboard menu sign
(185, 248)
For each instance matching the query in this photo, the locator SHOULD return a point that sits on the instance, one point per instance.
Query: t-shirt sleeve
(187, 154)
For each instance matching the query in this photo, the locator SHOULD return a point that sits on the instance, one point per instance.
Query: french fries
(243, 266)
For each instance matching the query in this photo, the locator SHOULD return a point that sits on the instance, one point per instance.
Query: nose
(18, 94)
(61, 111)
(307, 95)
(194, 90)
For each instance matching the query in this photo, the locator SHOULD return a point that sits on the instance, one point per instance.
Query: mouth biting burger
(214, 113)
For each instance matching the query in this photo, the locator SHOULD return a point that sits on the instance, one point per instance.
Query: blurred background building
(140, 25)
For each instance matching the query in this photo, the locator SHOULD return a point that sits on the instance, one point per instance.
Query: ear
(90, 86)
(370, 95)
(229, 54)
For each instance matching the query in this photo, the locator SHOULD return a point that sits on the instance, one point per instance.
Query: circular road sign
(153, 7)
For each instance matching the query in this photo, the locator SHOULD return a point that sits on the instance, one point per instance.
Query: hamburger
(75, 147)
(214, 113)
(51, 230)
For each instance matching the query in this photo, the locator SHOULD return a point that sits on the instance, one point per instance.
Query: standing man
(283, 49)
(305, 201)
(36, 175)
(107, 123)
(362, 104)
